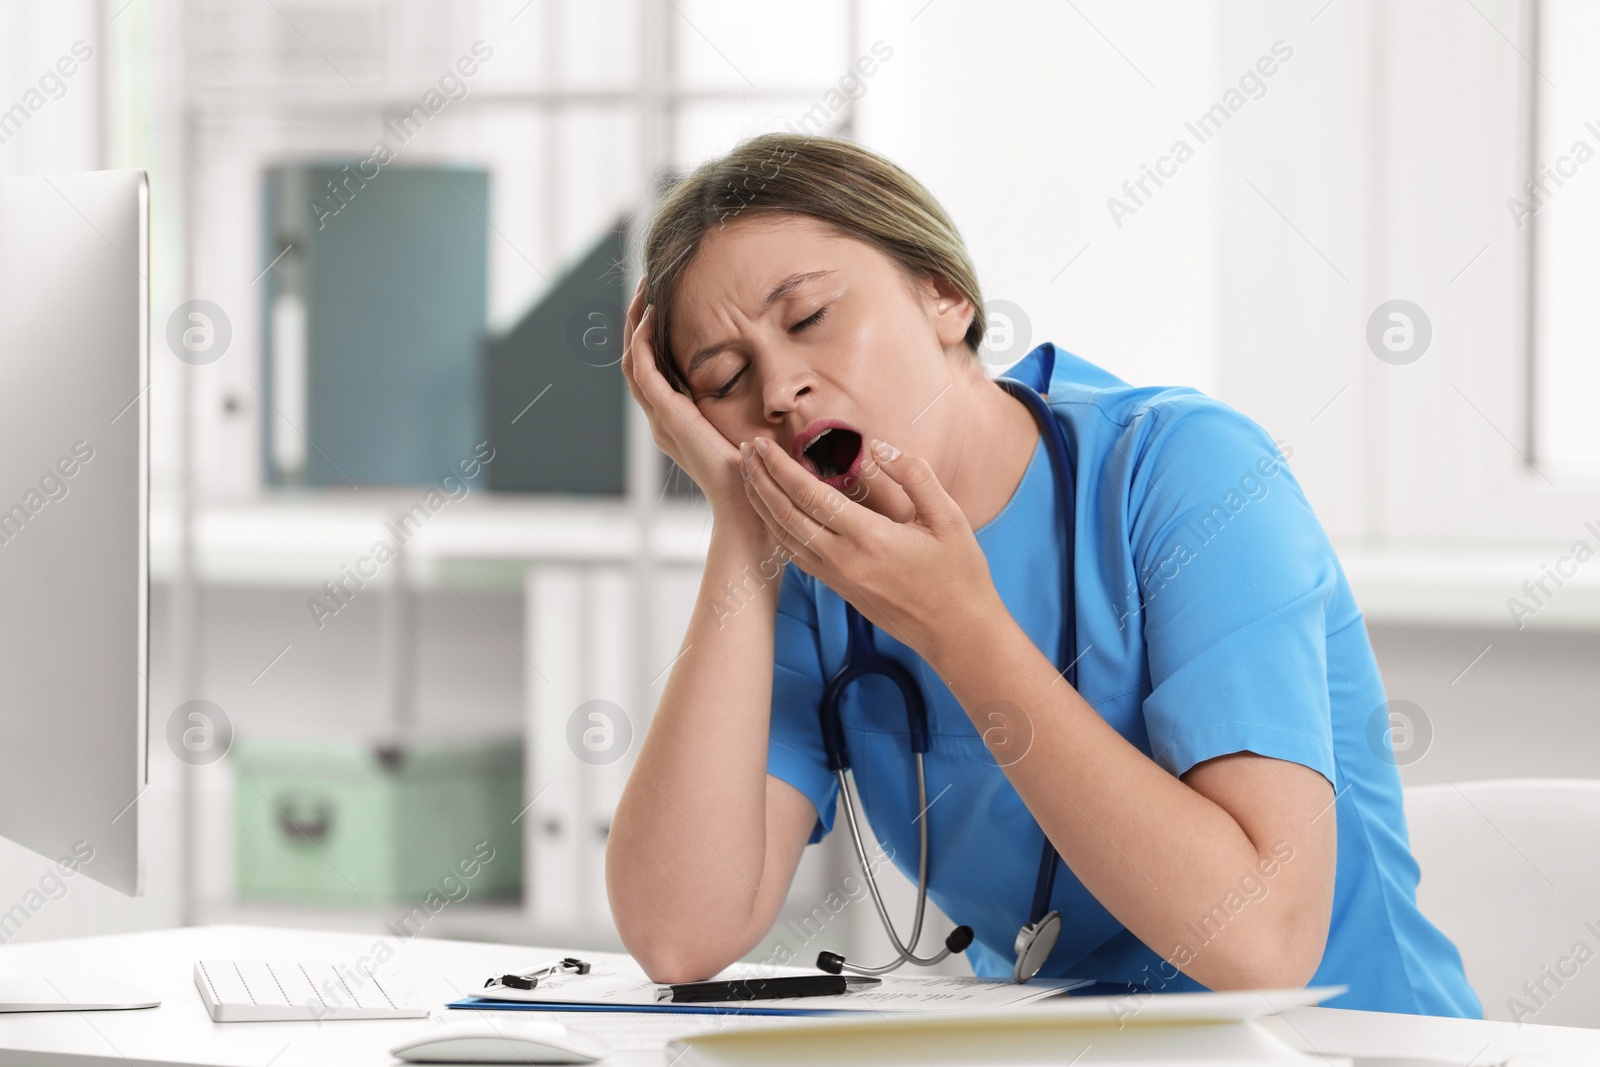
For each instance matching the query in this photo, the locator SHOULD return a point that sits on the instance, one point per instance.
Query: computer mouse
(502, 1041)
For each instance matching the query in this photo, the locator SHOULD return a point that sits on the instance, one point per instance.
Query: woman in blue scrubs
(1220, 785)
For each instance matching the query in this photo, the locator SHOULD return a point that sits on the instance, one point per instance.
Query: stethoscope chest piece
(1034, 944)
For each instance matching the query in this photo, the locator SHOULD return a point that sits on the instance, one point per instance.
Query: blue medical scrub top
(1213, 617)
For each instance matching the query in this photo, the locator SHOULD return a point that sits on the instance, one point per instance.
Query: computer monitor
(74, 507)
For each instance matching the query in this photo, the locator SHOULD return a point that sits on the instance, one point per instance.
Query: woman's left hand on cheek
(914, 579)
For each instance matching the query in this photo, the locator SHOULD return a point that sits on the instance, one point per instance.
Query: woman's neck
(991, 442)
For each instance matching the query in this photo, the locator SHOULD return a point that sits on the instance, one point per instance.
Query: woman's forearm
(1160, 856)
(687, 848)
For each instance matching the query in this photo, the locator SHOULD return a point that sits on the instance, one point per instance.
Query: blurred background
(419, 571)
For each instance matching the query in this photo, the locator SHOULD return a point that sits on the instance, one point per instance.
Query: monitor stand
(72, 993)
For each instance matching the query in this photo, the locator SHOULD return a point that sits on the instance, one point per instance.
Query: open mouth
(833, 453)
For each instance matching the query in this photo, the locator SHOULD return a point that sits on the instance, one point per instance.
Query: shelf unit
(295, 107)
(484, 540)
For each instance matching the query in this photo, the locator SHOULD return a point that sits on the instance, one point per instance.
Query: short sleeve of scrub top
(794, 747)
(1235, 578)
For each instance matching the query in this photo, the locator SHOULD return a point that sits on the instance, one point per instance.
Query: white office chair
(1511, 874)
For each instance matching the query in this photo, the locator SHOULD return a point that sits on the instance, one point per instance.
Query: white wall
(1023, 120)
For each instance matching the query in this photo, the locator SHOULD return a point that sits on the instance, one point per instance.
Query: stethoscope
(1038, 935)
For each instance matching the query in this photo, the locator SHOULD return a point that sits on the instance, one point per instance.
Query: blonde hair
(855, 191)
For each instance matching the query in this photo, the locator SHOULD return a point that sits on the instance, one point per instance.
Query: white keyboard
(237, 991)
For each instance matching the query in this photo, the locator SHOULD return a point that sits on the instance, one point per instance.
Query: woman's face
(783, 326)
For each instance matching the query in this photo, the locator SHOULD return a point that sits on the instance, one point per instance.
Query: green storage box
(353, 822)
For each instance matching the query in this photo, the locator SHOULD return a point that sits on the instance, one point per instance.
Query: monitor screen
(74, 506)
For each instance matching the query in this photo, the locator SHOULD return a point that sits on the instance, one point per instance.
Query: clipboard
(620, 984)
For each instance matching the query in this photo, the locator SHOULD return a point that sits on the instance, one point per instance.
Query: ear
(950, 312)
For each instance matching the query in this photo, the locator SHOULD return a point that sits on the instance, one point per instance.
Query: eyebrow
(779, 291)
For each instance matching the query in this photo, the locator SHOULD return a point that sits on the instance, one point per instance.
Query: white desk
(180, 1031)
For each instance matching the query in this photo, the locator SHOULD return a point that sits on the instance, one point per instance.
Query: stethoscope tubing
(862, 658)
(1061, 464)
(903, 953)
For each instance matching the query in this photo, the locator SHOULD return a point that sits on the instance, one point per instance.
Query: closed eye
(720, 393)
(809, 320)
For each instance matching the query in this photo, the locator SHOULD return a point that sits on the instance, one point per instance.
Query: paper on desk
(623, 983)
(1147, 1028)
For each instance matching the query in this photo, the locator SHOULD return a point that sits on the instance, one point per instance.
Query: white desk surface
(180, 1031)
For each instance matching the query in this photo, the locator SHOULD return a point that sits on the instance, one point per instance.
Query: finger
(633, 386)
(635, 306)
(890, 500)
(791, 547)
(823, 503)
(664, 403)
(656, 387)
(934, 506)
(785, 517)
(784, 511)
(640, 341)
(657, 393)
(635, 314)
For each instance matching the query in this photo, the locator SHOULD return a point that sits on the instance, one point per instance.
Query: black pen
(800, 985)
